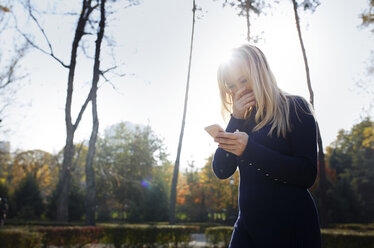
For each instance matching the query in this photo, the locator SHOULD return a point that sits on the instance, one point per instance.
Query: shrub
(28, 200)
(10, 238)
(218, 234)
(139, 235)
(355, 226)
(338, 238)
(69, 236)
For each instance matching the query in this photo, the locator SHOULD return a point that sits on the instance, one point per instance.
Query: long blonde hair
(271, 102)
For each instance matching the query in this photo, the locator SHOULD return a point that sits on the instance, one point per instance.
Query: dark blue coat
(276, 210)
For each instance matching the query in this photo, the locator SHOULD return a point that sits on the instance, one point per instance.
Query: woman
(271, 138)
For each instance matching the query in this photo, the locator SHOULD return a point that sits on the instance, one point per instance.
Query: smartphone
(214, 129)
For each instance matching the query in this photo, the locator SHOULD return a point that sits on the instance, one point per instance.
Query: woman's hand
(232, 142)
(242, 101)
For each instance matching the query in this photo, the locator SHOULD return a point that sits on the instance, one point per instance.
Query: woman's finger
(226, 135)
(246, 100)
(239, 93)
(229, 148)
(227, 141)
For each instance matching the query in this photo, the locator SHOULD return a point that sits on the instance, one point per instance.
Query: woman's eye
(244, 81)
(231, 86)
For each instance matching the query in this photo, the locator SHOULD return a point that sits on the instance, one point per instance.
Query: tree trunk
(247, 8)
(90, 174)
(321, 155)
(173, 193)
(65, 174)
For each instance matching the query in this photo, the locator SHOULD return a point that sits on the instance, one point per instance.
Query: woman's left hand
(232, 142)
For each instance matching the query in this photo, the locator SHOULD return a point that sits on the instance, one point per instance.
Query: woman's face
(237, 80)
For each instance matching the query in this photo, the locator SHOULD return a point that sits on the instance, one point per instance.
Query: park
(103, 105)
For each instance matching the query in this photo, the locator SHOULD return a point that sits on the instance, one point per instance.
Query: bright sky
(153, 42)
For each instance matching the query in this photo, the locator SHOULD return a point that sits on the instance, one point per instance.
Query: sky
(151, 45)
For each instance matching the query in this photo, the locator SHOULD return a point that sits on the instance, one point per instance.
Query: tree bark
(173, 193)
(321, 155)
(90, 174)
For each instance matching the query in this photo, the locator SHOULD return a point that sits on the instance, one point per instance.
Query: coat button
(266, 174)
(258, 169)
(250, 163)
(284, 182)
(276, 179)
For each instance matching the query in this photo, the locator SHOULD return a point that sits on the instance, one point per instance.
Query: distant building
(4, 147)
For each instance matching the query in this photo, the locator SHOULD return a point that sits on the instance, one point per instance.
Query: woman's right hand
(242, 99)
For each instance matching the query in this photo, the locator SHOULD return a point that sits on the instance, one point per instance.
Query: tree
(28, 200)
(193, 193)
(90, 175)
(202, 196)
(41, 165)
(87, 24)
(245, 7)
(9, 61)
(65, 174)
(368, 15)
(6, 161)
(352, 156)
(126, 157)
(312, 5)
(76, 202)
(173, 193)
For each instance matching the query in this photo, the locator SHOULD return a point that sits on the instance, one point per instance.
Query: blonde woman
(271, 139)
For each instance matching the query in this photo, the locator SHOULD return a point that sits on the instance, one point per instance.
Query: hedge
(69, 236)
(219, 234)
(340, 238)
(11, 238)
(149, 235)
(331, 238)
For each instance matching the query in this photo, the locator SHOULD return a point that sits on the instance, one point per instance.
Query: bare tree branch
(40, 49)
(84, 106)
(109, 69)
(40, 27)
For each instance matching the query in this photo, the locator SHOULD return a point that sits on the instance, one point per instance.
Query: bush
(331, 238)
(338, 238)
(10, 238)
(218, 234)
(69, 236)
(139, 235)
(354, 226)
(28, 200)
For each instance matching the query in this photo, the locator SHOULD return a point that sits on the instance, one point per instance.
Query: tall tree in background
(64, 180)
(245, 7)
(312, 5)
(173, 193)
(65, 174)
(90, 174)
(87, 24)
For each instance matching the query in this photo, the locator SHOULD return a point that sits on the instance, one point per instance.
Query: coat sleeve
(224, 163)
(299, 168)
